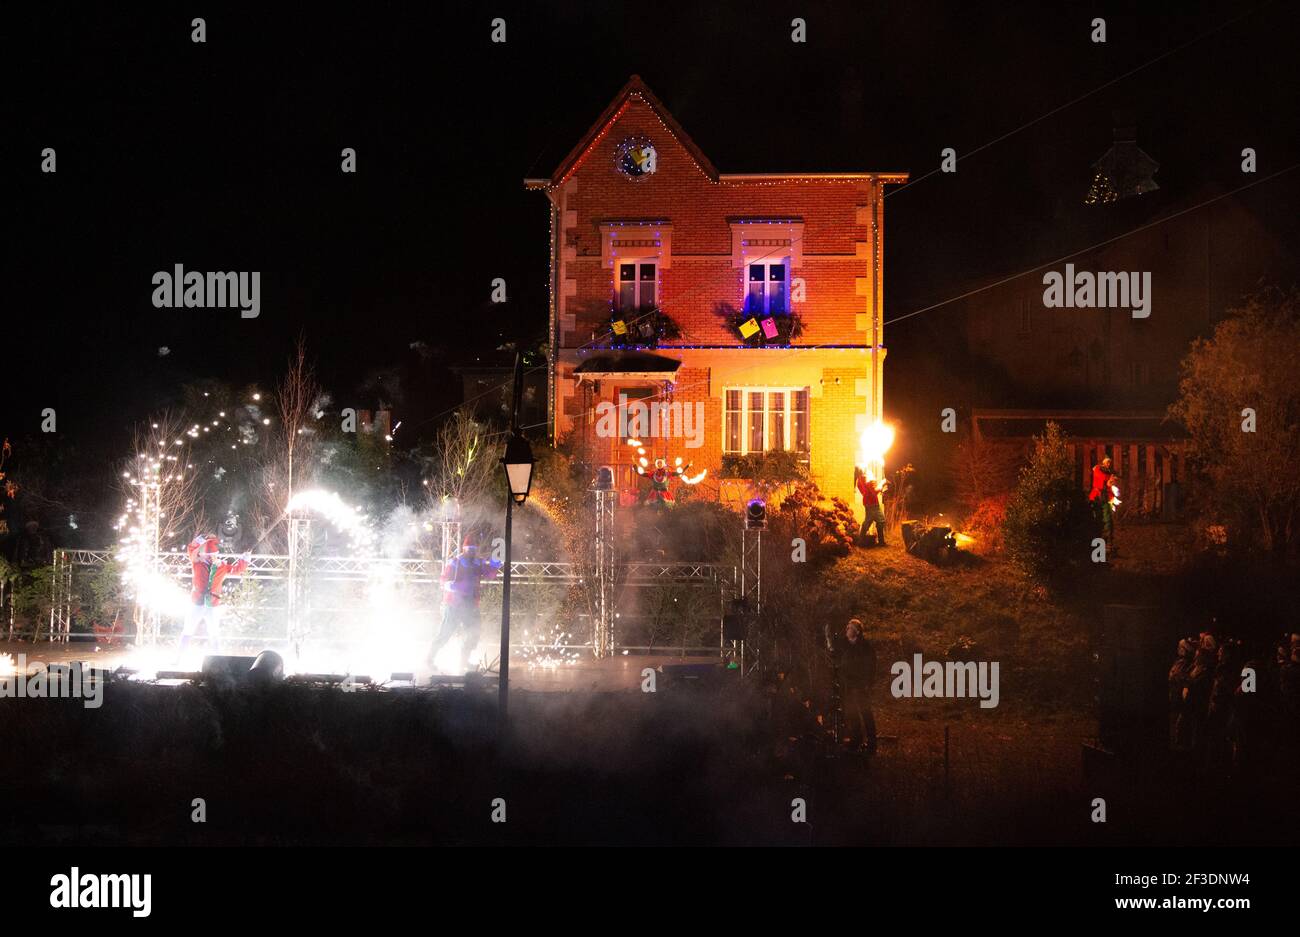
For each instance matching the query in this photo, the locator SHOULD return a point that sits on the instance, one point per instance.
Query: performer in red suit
(209, 574)
(1103, 498)
(872, 492)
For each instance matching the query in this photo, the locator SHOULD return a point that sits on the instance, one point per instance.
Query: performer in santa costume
(205, 596)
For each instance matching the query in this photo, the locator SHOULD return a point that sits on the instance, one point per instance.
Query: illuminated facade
(751, 305)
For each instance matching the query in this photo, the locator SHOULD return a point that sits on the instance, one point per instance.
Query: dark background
(225, 156)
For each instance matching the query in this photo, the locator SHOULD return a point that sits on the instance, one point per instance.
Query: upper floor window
(766, 290)
(636, 285)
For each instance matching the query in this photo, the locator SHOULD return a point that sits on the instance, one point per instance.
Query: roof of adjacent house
(1109, 425)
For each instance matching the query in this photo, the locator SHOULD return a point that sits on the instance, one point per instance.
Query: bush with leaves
(33, 599)
(1246, 461)
(1048, 521)
(985, 523)
(827, 531)
(765, 469)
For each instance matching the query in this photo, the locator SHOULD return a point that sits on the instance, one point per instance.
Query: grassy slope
(912, 606)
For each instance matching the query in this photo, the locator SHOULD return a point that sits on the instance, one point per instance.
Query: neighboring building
(1200, 263)
(661, 271)
(1105, 376)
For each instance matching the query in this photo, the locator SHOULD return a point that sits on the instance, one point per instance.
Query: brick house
(754, 301)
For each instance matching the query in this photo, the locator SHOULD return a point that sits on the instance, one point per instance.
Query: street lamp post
(518, 463)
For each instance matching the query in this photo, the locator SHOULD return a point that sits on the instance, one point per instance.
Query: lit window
(636, 285)
(765, 419)
(776, 424)
(766, 292)
(756, 421)
(735, 420)
(799, 418)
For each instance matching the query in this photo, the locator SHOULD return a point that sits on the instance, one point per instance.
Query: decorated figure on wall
(660, 495)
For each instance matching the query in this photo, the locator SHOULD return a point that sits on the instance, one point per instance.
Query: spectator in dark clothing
(1247, 735)
(1232, 705)
(855, 661)
(1196, 696)
(1220, 725)
(1288, 678)
(1178, 679)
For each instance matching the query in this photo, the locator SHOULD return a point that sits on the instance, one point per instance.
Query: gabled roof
(635, 89)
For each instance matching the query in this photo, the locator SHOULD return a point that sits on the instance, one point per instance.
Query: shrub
(827, 531)
(985, 523)
(1248, 484)
(1047, 516)
(789, 325)
(644, 328)
(765, 469)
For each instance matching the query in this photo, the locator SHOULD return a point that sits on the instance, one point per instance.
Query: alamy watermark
(78, 890)
(636, 419)
(952, 679)
(57, 681)
(211, 290)
(1085, 290)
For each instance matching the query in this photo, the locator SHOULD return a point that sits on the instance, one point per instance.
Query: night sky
(225, 156)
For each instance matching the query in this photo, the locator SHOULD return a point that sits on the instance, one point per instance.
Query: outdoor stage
(586, 673)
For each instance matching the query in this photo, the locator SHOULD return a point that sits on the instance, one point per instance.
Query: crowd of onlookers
(1230, 701)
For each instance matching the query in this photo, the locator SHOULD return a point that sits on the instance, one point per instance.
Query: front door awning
(628, 365)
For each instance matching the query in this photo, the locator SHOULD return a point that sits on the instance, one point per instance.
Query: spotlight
(756, 514)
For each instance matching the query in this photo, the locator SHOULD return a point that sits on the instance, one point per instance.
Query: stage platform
(584, 674)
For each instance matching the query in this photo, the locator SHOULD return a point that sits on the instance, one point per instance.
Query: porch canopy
(628, 365)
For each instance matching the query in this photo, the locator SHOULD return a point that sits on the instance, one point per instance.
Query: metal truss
(751, 569)
(276, 566)
(602, 638)
(268, 567)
